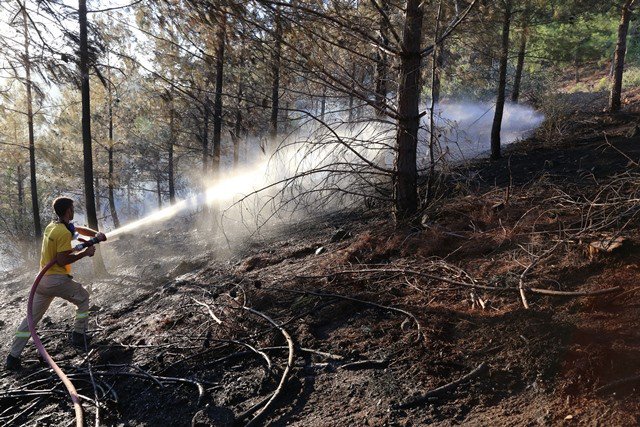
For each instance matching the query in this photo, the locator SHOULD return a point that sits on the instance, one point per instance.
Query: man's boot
(79, 339)
(13, 363)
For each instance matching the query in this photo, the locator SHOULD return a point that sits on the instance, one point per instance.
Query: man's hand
(101, 236)
(90, 251)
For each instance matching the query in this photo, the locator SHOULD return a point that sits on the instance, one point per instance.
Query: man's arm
(68, 257)
(85, 231)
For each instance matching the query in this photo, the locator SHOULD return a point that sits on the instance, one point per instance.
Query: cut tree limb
(551, 292)
(285, 375)
(618, 383)
(539, 291)
(481, 369)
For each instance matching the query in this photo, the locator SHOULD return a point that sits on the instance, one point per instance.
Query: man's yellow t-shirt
(57, 238)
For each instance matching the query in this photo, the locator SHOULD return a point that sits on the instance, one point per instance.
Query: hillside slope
(378, 317)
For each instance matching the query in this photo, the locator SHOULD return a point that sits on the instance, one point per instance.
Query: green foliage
(602, 85)
(631, 77)
(587, 38)
(579, 87)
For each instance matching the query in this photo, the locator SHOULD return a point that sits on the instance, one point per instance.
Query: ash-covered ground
(341, 319)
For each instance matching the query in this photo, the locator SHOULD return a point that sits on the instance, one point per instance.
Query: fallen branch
(93, 382)
(193, 356)
(521, 286)
(324, 354)
(33, 393)
(404, 271)
(254, 350)
(618, 383)
(253, 408)
(360, 301)
(33, 404)
(329, 356)
(156, 379)
(536, 261)
(547, 292)
(285, 375)
(211, 313)
(625, 155)
(365, 364)
(550, 292)
(628, 291)
(481, 369)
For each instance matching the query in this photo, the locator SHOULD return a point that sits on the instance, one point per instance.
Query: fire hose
(36, 339)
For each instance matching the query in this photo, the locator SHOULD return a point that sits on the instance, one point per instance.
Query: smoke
(464, 128)
(323, 166)
(7, 260)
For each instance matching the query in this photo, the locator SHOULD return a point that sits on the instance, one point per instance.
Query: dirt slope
(156, 341)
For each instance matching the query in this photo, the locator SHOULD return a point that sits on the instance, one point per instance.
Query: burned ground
(378, 316)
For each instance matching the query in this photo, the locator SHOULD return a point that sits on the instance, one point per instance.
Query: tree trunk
(435, 88)
(89, 195)
(405, 170)
(19, 222)
(217, 108)
(323, 104)
(618, 61)
(515, 95)
(172, 188)
(111, 180)
(159, 186)
(112, 202)
(35, 207)
(90, 201)
(217, 104)
(96, 186)
(439, 63)
(129, 199)
(237, 127)
(20, 182)
(275, 73)
(351, 93)
(206, 111)
(502, 84)
(382, 63)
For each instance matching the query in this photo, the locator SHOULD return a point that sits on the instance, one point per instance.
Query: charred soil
(345, 320)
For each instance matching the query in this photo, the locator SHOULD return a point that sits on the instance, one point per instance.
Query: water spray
(226, 189)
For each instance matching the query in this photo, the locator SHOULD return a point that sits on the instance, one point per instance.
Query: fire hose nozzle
(100, 237)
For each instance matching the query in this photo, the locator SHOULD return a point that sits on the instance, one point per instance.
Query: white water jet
(464, 131)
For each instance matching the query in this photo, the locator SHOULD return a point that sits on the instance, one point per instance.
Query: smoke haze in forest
(302, 160)
(465, 127)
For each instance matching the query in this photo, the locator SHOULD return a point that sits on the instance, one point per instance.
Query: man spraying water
(55, 278)
(57, 281)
